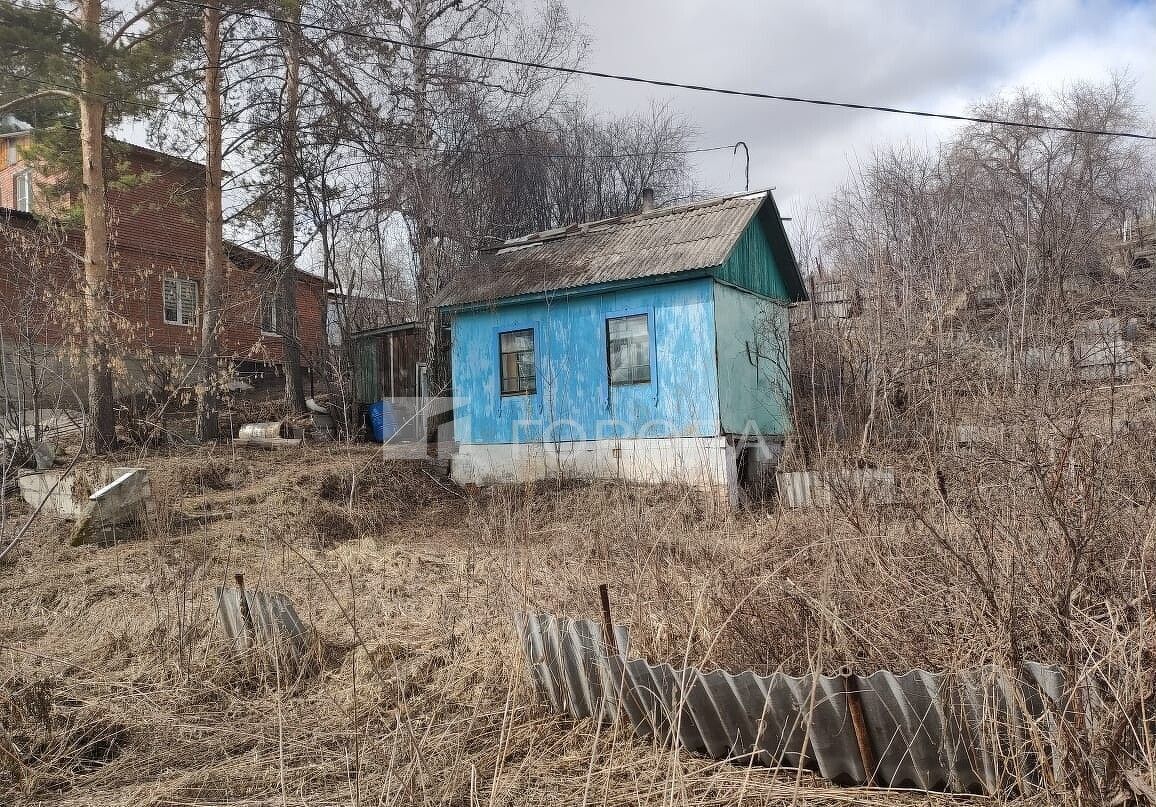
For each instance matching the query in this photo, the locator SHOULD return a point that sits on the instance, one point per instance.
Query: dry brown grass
(118, 688)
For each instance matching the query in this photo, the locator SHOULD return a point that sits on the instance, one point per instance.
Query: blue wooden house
(650, 347)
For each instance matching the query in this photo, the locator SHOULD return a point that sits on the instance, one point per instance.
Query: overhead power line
(766, 96)
(413, 146)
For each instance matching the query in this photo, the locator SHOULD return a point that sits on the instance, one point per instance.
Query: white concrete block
(102, 496)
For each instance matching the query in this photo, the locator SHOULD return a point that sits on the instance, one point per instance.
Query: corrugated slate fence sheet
(569, 664)
(265, 626)
(980, 731)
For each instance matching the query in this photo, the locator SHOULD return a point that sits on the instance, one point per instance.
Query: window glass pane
(517, 340)
(269, 313)
(24, 192)
(628, 327)
(509, 372)
(188, 301)
(516, 362)
(170, 300)
(628, 349)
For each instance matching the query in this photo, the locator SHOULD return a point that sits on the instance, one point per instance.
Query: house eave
(369, 333)
(579, 291)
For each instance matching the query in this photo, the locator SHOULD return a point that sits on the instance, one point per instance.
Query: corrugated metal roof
(659, 242)
(979, 730)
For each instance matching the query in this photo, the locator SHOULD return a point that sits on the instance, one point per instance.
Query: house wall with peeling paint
(713, 284)
(574, 399)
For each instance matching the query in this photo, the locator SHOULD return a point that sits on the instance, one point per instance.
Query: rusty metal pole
(859, 724)
(246, 614)
(607, 623)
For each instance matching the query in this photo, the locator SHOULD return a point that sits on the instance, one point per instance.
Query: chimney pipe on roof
(647, 200)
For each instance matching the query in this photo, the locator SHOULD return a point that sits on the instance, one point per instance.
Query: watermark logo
(416, 427)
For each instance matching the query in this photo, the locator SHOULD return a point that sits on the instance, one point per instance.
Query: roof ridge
(687, 206)
(626, 219)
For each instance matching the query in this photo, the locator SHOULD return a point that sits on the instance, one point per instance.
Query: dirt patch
(211, 473)
(334, 486)
(333, 525)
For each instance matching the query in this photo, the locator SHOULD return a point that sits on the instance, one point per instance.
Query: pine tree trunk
(208, 426)
(289, 326)
(423, 200)
(102, 419)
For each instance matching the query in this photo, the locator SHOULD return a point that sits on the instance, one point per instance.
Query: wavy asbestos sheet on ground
(976, 731)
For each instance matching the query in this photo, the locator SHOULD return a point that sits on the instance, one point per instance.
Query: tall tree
(575, 167)
(102, 61)
(427, 110)
(95, 201)
(207, 424)
(287, 255)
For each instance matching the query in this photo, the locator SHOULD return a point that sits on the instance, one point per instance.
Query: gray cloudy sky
(937, 56)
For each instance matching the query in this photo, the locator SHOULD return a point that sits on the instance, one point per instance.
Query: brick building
(156, 206)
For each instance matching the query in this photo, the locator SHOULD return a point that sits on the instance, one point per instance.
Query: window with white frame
(270, 313)
(519, 375)
(180, 299)
(628, 350)
(22, 191)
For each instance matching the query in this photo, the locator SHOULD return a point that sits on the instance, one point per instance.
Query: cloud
(934, 56)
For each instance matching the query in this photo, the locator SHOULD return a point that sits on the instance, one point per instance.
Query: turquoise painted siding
(574, 399)
(752, 265)
(754, 376)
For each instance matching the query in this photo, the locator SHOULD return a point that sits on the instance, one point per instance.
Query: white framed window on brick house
(180, 301)
(270, 313)
(22, 191)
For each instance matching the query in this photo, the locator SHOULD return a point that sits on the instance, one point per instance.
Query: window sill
(271, 334)
(180, 324)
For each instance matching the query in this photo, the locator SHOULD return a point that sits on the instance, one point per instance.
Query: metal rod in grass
(621, 691)
(607, 622)
(246, 612)
(859, 724)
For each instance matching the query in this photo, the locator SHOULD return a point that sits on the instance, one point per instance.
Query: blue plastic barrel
(382, 423)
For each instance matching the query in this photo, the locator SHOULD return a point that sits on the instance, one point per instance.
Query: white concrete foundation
(709, 463)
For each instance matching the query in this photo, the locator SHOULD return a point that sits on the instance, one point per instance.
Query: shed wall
(386, 365)
(752, 265)
(574, 400)
(753, 364)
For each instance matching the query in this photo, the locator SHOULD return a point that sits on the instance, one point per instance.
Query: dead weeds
(418, 695)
